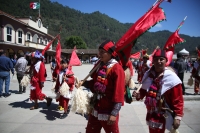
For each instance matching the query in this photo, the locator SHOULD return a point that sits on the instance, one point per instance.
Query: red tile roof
(12, 17)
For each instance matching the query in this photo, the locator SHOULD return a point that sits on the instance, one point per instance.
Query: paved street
(15, 116)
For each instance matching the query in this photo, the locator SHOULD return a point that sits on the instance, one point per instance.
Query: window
(41, 41)
(28, 37)
(9, 34)
(19, 36)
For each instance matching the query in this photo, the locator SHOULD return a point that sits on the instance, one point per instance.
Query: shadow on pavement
(191, 94)
(49, 80)
(22, 104)
(13, 91)
(51, 112)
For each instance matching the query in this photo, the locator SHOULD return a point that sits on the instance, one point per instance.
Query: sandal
(34, 107)
(64, 115)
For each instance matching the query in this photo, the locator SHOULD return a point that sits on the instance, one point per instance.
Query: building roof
(12, 17)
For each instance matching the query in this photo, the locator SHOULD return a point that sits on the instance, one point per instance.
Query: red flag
(170, 44)
(172, 41)
(136, 55)
(149, 19)
(48, 46)
(58, 54)
(144, 52)
(74, 60)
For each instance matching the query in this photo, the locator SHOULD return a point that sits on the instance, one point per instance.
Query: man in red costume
(163, 91)
(142, 67)
(196, 74)
(37, 81)
(65, 75)
(107, 85)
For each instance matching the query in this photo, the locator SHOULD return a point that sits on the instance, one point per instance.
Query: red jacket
(114, 92)
(70, 81)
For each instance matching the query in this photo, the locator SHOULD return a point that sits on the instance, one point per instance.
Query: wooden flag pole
(91, 72)
(138, 89)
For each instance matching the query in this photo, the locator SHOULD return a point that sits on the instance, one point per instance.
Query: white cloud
(158, 25)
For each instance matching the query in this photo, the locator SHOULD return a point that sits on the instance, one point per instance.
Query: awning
(184, 52)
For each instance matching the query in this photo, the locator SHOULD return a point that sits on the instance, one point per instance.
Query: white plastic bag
(25, 81)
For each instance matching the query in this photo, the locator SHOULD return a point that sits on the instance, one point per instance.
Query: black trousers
(181, 76)
(21, 88)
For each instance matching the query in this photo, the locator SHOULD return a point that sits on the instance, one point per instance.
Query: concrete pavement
(15, 116)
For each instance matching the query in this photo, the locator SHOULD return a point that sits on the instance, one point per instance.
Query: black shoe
(24, 90)
(19, 92)
(7, 95)
(68, 110)
(49, 100)
(64, 115)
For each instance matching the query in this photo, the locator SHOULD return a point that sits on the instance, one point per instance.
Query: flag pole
(155, 3)
(180, 25)
(39, 8)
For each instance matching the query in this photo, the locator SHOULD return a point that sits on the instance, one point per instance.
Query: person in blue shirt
(14, 60)
(5, 67)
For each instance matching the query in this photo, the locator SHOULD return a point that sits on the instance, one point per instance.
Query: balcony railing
(35, 45)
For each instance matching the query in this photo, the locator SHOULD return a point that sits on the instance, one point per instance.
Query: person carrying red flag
(142, 67)
(65, 76)
(107, 85)
(37, 81)
(162, 90)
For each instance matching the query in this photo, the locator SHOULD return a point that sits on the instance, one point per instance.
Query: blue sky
(131, 10)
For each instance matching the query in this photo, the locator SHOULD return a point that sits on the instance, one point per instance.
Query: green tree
(77, 41)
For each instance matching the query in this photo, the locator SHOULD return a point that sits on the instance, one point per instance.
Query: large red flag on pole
(174, 39)
(74, 60)
(148, 20)
(48, 45)
(58, 55)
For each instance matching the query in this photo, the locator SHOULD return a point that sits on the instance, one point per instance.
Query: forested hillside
(92, 28)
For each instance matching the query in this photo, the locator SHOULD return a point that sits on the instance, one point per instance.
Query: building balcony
(35, 45)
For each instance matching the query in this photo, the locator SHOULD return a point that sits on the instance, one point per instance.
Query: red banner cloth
(149, 19)
(136, 55)
(48, 46)
(58, 54)
(172, 41)
(74, 60)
